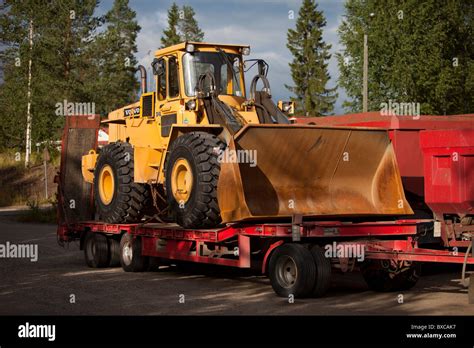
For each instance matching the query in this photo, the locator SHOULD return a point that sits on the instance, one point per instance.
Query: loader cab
(177, 70)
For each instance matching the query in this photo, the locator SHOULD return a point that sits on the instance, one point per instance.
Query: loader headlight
(189, 48)
(191, 104)
(245, 51)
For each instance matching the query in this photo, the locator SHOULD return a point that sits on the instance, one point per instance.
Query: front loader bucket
(272, 171)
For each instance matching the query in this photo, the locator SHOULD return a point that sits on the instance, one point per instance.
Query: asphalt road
(46, 286)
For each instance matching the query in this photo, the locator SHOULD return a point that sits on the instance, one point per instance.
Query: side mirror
(288, 107)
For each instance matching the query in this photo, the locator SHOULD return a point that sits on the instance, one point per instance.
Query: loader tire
(381, 280)
(118, 199)
(292, 271)
(323, 271)
(191, 175)
(131, 257)
(96, 250)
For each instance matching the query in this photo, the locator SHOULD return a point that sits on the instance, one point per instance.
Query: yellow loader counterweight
(199, 152)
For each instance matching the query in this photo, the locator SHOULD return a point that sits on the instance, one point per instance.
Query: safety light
(189, 48)
(245, 51)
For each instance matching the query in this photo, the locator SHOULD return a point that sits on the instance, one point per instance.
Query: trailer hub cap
(287, 271)
(127, 253)
(181, 180)
(106, 185)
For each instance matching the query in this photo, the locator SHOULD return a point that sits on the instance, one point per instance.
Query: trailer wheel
(131, 257)
(118, 199)
(114, 248)
(409, 278)
(96, 250)
(292, 271)
(380, 279)
(191, 175)
(323, 271)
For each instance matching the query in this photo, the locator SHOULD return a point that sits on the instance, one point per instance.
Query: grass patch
(21, 185)
(39, 214)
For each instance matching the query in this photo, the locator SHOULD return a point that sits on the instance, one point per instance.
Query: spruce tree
(182, 26)
(116, 84)
(309, 65)
(170, 35)
(188, 26)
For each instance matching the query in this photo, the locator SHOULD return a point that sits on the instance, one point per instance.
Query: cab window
(161, 80)
(173, 78)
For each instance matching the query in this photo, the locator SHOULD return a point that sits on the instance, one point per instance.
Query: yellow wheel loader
(199, 151)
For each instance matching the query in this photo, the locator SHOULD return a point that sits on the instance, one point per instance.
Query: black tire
(292, 271)
(323, 271)
(129, 199)
(114, 251)
(96, 250)
(131, 257)
(379, 279)
(201, 209)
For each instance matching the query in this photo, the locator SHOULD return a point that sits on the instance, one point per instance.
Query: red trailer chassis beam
(306, 230)
(181, 250)
(409, 251)
(173, 243)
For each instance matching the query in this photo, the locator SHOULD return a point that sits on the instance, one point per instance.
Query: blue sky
(262, 24)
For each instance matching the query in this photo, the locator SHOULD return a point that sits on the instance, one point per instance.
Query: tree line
(419, 51)
(77, 58)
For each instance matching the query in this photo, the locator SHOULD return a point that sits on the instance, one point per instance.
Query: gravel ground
(46, 286)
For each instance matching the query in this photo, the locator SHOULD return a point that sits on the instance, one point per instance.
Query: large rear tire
(292, 271)
(192, 172)
(96, 250)
(323, 271)
(118, 199)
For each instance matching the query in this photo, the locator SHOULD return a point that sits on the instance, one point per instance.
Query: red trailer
(298, 255)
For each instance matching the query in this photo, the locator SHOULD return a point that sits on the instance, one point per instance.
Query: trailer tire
(323, 271)
(191, 175)
(96, 250)
(409, 278)
(131, 257)
(292, 271)
(380, 279)
(114, 248)
(118, 199)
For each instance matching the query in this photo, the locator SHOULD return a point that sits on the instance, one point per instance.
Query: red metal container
(449, 170)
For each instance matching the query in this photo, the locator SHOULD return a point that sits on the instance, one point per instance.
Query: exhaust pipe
(143, 81)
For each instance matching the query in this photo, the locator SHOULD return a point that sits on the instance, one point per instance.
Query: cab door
(169, 106)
